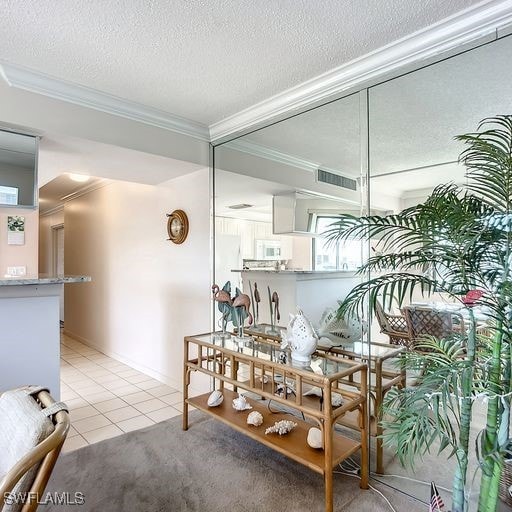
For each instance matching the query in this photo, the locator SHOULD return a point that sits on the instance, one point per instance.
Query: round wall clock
(177, 226)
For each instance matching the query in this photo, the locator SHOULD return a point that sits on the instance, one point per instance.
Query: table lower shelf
(293, 444)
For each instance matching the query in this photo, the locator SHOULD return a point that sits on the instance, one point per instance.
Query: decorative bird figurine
(222, 296)
(241, 307)
(257, 300)
(224, 303)
(275, 300)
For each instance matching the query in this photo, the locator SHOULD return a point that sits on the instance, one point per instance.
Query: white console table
(29, 332)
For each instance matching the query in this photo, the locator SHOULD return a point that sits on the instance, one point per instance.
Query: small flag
(436, 503)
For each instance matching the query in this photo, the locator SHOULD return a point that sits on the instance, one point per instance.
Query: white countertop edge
(23, 281)
(292, 272)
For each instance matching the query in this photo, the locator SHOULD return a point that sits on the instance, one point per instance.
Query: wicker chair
(394, 326)
(422, 320)
(38, 463)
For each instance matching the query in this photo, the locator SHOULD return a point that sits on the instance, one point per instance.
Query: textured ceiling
(413, 119)
(203, 59)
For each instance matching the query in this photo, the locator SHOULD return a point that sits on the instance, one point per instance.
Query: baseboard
(166, 379)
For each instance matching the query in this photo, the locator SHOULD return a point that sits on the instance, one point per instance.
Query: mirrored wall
(281, 190)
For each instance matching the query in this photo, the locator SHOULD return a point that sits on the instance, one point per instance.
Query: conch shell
(315, 438)
(241, 404)
(215, 399)
(336, 398)
(255, 418)
(300, 337)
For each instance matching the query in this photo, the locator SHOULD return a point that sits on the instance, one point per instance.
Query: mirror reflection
(283, 197)
(413, 151)
(17, 169)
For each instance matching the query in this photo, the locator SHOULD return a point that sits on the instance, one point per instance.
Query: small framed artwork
(15, 230)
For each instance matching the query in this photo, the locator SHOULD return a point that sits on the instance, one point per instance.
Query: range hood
(296, 213)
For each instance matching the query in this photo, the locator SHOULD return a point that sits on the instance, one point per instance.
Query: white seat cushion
(23, 425)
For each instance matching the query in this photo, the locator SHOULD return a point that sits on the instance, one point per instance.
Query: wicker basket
(506, 483)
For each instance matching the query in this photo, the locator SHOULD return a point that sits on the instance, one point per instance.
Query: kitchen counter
(311, 291)
(42, 279)
(30, 335)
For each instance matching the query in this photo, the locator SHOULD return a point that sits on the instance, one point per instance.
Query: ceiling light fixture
(80, 178)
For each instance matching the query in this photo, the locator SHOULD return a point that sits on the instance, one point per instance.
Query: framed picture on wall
(15, 230)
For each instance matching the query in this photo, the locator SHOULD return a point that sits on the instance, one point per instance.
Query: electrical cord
(411, 480)
(355, 467)
(355, 474)
(283, 411)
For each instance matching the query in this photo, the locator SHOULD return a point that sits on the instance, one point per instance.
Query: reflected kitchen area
(378, 151)
(276, 190)
(18, 164)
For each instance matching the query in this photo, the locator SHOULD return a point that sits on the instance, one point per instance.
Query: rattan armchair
(43, 456)
(394, 326)
(427, 321)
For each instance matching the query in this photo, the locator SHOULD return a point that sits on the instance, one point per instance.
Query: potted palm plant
(458, 240)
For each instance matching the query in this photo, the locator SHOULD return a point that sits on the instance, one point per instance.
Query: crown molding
(271, 154)
(40, 83)
(95, 185)
(463, 28)
(51, 211)
(280, 157)
(86, 189)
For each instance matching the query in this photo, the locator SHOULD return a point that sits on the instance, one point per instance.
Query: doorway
(58, 261)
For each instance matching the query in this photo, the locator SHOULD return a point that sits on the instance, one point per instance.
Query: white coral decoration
(300, 337)
(255, 418)
(281, 427)
(241, 404)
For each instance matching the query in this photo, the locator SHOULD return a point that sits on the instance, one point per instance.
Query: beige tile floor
(108, 398)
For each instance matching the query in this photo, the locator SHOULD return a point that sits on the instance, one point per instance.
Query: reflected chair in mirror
(394, 326)
(33, 428)
(427, 321)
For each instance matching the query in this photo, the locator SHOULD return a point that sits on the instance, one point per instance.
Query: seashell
(300, 337)
(281, 427)
(255, 418)
(336, 400)
(315, 438)
(215, 399)
(241, 404)
(280, 390)
(314, 391)
(344, 331)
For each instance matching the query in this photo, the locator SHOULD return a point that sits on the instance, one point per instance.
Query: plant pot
(506, 483)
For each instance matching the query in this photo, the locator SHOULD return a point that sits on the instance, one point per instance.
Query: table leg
(328, 474)
(186, 382)
(378, 405)
(365, 470)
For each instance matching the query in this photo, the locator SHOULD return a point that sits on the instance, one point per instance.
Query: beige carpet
(209, 468)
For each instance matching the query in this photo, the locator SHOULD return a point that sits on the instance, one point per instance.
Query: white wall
(146, 293)
(20, 255)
